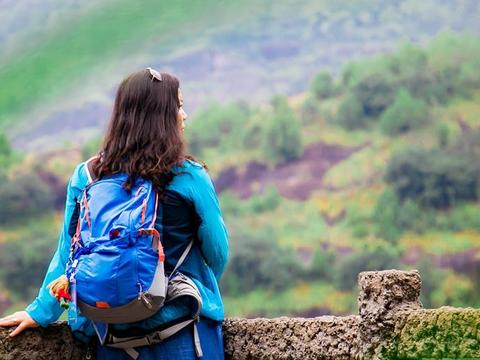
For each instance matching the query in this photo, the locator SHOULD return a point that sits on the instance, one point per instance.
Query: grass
(442, 243)
(112, 30)
(467, 110)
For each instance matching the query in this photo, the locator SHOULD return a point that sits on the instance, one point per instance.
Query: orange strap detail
(154, 232)
(144, 210)
(161, 254)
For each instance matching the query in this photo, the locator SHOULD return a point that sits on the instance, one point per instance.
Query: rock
(391, 325)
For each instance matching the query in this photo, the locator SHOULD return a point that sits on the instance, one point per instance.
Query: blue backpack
(116, 265)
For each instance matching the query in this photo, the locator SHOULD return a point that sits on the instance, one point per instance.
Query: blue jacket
(190, 210)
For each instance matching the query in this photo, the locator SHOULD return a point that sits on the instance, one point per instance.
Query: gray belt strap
(132, 353)
(182, 258)
(128, 344)
(153, 338)
(196, 339)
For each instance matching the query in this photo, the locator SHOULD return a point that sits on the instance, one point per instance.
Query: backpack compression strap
(128, 344)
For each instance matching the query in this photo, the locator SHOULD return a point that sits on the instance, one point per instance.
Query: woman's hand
(20, 318)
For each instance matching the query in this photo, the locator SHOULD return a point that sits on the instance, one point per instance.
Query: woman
(145, 138)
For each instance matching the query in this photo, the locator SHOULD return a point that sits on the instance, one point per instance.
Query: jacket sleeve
(212, 232)
(45, 309)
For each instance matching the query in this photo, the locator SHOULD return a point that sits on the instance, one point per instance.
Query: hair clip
(155, 74)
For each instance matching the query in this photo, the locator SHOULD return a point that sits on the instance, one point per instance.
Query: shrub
(382, 257)
(375, 94)
(350, 113)
(322, 86)
(392, 218)
(405, 114)
(23, 262)
(310, 110)
(216, 125)
(434, 178)
(257, 261)
(283, 141)
(23, 196)
(268, 200)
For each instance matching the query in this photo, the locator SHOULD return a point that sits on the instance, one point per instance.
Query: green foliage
(257, 261)
(310, 111)
(91, 148)
(469, 76)
(282, 141)
(217, 126)
(434, 178)
(5, 155)
(322, 86)
(98, 35)
(431, 279)
(396, 89)
(375, 93)
(405, 114)
(24, 261)
(321, 264)
(267, 200)
(443, 287)
(253, 132)
(392, 218)
(346, 269)
(24, 196)
(5, 149)
(443, 136)
(350, 114)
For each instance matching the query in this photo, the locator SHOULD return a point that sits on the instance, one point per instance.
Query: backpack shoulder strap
(88, 169)
(182, 258)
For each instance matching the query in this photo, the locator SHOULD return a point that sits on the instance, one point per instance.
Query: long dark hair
(143, 138)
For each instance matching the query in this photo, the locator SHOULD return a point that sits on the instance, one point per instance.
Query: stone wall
(391, 325)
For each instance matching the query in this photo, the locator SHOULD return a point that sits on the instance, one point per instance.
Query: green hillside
(58, 77)
(374, 169)
(387, 176)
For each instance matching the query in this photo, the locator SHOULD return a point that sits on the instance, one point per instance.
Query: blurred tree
(268, 200)
(350, 113)
(375, 93)
(392, 217)
(321, 265)
(346, 269)
(434, 178)
(257, 261)
(217, 125)
(431, 280)
(5, 149)
(406, 113)
(282, 141)
(322, 85)
(5, 156)
(469, 76)
(443, 136)
(454, 290)
(23, 262)
(24, 196)
(309, 111)
(254, 129)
